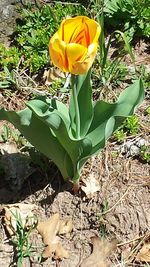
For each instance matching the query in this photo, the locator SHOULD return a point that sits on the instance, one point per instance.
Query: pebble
(132, 147)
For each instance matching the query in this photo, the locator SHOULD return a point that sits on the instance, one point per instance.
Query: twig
(107, 211)
(136, 247)
(130, 241)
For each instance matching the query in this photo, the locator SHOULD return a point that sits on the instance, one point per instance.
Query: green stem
(76, 107)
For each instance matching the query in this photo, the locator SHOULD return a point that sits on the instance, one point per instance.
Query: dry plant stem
(107, 211)
(133, 240)
(135, 249)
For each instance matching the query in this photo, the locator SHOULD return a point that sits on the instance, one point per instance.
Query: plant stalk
(76, 107)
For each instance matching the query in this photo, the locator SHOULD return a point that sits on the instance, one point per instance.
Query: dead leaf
(91, 185)
(101, 250)
(18, 210)
(49, 230)
(52, 75)
(57, 249)
(144, 253)
(8, 148)
(66, 226)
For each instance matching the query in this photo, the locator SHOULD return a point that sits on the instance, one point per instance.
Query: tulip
(73, 47)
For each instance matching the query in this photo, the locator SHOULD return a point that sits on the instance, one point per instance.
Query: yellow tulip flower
(73, 47)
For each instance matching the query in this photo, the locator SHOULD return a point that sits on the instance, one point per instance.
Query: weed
(38, 25)
(145, 153)
(143, 73)
(9, 57)
(148, 110)
(114, 154)
(120, 135)
(21, 240)
(130, 127)
(133, 16)
(112, 70)
(7, 78)
(102, 221)
(132, 124)
(13, 135)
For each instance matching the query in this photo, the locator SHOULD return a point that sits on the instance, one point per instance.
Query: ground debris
(144, 253)
(13, 212)
(102, 249)
(91, 185)
(50, 229)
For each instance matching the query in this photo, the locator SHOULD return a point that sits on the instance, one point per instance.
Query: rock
(17, 169)
(134, 150)
(132, 147)
(8, 15)
(141, 142)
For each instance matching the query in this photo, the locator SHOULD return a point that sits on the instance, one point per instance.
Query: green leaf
(46, 125)
(84, 96)
(40, 136)
(75, 149)
(108, 117)
(127, 45)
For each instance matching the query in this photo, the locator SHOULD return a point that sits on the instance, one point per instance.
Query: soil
(124, 185)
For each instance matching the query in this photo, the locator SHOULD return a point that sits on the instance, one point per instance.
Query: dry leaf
(49, 230)
(57, 249)
(66, 226)
(144, 253)
(22, 211)
(101, 250)
(8, 148)
(91, 185)
(52, 74)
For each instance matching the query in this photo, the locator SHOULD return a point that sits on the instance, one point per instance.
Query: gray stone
(8, 15)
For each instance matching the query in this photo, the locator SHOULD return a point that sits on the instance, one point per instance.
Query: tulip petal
(57, 50)
(81, 30)
(83, 65)
(94, 30)
(73, 47)
(68, 27)
(75, 53)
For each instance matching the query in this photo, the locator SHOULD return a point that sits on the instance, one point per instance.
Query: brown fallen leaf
(57, 249)
(91, 185)
(18, 210)
(144, 253)
(49, 230)
(101, 250)
(52, 75)
(66, 226)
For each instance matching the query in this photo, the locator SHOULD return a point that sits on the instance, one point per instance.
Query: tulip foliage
(52, 128)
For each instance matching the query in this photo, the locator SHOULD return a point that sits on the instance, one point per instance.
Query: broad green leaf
(76, 149)
(40, 136)
(46, 125)
(84, 96)
(61, 109)
(108, 117)
(52, 105)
